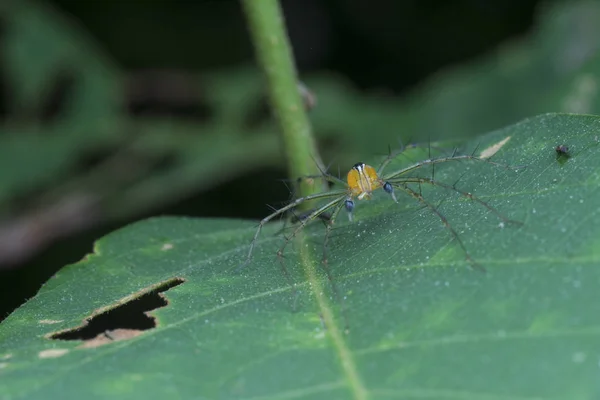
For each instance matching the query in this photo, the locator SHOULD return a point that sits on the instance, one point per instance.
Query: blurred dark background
(162, 48)
(387, 44)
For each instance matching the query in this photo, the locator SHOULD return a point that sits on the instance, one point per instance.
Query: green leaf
(422, 324)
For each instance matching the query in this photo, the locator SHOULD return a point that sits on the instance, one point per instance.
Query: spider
(361, 181)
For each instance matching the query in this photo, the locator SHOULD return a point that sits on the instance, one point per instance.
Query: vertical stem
(274, 54)
(273, 51)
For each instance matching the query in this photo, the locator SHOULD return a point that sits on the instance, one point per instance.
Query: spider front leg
(279, 212)
(302, 224)
(311, 217)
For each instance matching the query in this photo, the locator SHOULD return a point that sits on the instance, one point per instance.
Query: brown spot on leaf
(493, 149)
(52, 353)
(50, 321)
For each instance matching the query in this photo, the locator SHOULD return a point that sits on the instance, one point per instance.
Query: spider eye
(349, 203)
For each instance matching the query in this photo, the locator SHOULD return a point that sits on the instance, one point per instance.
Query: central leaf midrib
(333, 331)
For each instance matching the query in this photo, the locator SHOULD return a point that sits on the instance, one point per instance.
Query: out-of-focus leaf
(555, 69)
(51, 68)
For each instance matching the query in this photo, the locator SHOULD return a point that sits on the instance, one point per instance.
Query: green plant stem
(274, 54)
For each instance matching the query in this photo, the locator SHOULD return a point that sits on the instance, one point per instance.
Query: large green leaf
(422, 324)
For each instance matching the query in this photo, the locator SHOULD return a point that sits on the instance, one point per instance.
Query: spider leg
(328, 271)
(302, 223)
(468, 195)
(280, 211)
(309, 219)
(393, 154)
(444, 220)
(433, 161)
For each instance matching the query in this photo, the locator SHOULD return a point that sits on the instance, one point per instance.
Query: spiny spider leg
(446, 159)
(427, 162)
(338, 204)
(310, 218)
(291, 282)
(477, 148)
(326, 176)
(300, 216)
(310, 180)
(336, 293)
(282, 210)
(329, 228)
(444, 220)
(393, 154)
(432, 169)
(468, 195)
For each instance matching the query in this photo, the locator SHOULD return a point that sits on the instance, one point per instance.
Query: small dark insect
(562, 150)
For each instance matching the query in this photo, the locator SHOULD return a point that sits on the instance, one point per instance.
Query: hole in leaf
(125, 319)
